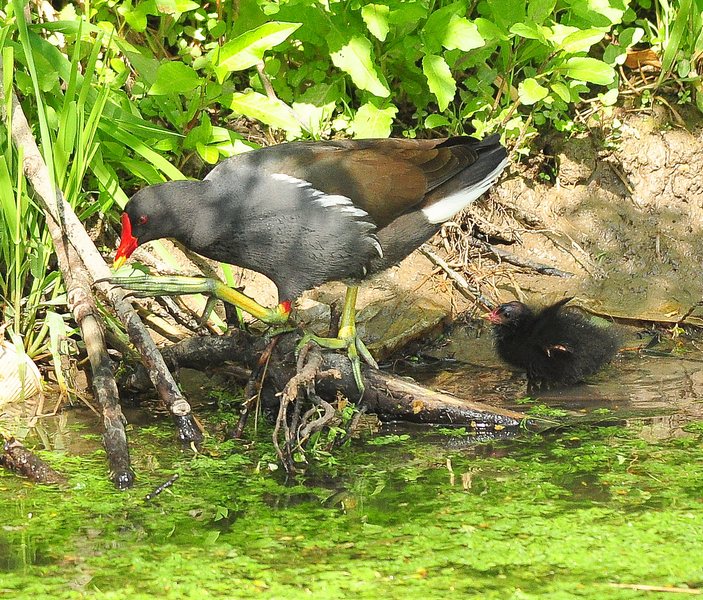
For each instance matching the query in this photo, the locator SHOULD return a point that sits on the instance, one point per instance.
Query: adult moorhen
(553, 345)
(305, 213)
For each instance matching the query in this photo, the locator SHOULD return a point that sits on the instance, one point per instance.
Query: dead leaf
(638, 58)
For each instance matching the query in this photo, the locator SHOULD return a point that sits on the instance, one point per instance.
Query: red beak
(128, 243)
(494, 317)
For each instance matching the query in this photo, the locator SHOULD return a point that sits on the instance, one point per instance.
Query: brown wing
(385, 177)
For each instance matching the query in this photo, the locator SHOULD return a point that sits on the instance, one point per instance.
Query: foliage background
(128, 93)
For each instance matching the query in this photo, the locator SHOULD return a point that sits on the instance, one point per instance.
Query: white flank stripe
(334, 201)
(325, 200)
(289, 179)
(447, 207)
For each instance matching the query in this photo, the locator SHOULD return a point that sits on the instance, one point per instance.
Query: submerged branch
(15, 457)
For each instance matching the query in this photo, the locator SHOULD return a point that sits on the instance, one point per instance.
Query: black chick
(554, 346)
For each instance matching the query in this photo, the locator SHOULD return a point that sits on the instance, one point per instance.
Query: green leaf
(490, 31)
(531, 92)
(561, 90)
(373, 122)
(408, 13)
(609, 98)
(539, 10)
(507, 12)
(209, 154)
(273, 112)
(630, 36)
(462, 34)
(435, 120)
(558, 33)
(202, 134)
(174, 77)
(581, 41)
(248, 49)
(589, 69)
(355, 58)
(683, 69)
(136, 18)
(615, 55)
(529, 31)
(376, 18)
(434, 31)
(439, 79)
(674, 42)
(600, 13)
(175, 7)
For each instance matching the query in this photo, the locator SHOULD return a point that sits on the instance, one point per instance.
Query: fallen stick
(62, 213)
(389, 396)
(15, 457)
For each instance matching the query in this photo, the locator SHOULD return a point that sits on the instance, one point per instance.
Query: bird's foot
(349, 340)
(537, 385)
(150, 285)
(274, 332)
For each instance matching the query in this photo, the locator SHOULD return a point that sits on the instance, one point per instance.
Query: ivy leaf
(355, 58)
(589, 69)
(376, 18)
(174, 77)
(246, 50)
(273, 112)
(373, 122)
(439, 79)
(530, 92)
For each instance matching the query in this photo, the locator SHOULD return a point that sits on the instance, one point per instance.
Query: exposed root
(252, 390)
(296, 430)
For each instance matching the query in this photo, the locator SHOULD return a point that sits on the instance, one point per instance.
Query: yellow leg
(346, 338)
(149, 285)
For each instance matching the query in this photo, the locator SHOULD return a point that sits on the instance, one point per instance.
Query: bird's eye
(143, 220)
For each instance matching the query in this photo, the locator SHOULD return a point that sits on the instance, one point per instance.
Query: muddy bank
(624, 215)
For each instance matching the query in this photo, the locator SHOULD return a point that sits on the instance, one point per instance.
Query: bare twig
(514, 260)
(166, 484)
(467, 290)
(252, 390)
